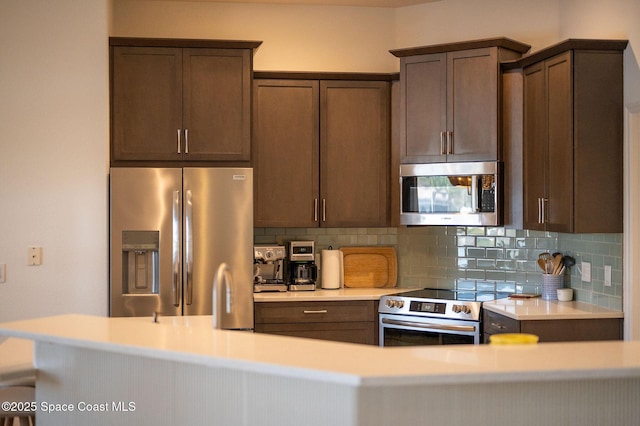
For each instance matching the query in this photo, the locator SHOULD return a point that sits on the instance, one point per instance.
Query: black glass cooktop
(468, 295)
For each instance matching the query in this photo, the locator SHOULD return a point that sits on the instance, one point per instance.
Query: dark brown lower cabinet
(349, 321)
(557, 330)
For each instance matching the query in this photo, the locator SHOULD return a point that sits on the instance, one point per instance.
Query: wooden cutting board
(375, 266)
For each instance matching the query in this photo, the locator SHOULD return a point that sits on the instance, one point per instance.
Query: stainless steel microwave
(451, 194)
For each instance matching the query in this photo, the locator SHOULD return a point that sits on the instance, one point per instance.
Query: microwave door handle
(175, 251)
(188, 220)
(474, 193)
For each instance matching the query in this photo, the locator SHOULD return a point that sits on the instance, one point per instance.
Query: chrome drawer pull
(322, 311)
(498, 326)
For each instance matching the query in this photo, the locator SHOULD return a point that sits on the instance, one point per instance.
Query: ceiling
(365, 3)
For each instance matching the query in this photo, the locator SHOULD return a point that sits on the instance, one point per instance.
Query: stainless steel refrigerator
(173, 231)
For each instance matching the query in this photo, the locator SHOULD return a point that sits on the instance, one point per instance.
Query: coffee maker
(268, 268)
(302, 272)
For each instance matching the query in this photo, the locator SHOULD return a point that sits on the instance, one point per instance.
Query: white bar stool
(17, 395)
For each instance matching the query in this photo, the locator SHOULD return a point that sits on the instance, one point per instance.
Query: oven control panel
(428, 307)
(433, 308)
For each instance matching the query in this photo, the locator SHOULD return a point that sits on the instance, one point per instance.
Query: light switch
(607, 275)
(586, 272)
(35, 256)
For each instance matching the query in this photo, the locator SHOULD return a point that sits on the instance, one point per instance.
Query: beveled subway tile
(516, 254)
(487, 264)
(495, 232)
(443, 256)
(505, 242)
(476, 252)
(494, 253)
(506, 287)
(466, 241)
(473, 230)
(506, 264)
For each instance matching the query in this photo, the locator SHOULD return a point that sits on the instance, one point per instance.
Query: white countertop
(538, 309)
(340, 294)
(192, 340)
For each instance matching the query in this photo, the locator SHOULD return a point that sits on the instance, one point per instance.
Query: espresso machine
(302, 271)
(268, 268)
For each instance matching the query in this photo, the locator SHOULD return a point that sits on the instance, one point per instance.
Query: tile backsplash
(480, 258)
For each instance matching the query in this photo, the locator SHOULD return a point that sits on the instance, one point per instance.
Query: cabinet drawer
(313, 312)
(495, 323)
(352, 332)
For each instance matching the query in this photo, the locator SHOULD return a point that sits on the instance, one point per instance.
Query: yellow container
(513, 339)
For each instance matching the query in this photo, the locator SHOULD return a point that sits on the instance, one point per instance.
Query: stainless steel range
(433, 317)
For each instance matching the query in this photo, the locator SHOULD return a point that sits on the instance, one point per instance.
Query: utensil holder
(550, 285)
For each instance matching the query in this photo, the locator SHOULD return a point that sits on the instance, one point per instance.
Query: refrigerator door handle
(176, 223)
(222, 285)
(188, 220)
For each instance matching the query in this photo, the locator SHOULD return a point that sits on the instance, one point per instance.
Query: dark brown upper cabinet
(449, 100)
(180, 100)
(570, 166)
(321, 151)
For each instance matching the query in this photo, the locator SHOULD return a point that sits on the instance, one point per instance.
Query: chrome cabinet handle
(542, 210)
(443, 149)
(324, 210)
(189, 247)
(186, 141)
(179, 141)
(449, 142)
(315, 209)
(175, 240)
(319, 311)
(539, 210)
(542, 207)
(498, 326)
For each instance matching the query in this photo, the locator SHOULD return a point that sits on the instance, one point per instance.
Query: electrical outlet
(35, 256)
(586, 272)
(3, 273)
(607, 275)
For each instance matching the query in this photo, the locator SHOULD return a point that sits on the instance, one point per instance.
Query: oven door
(407, 330)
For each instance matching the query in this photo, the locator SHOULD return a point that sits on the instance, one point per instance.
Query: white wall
(53, 156)
(296, 38)
(536, 23)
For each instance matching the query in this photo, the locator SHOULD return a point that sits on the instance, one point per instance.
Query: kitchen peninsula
(179, 370)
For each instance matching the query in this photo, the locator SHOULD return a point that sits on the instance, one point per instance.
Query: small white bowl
(565, 294)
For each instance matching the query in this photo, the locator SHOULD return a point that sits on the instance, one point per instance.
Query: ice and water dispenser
(140, 262)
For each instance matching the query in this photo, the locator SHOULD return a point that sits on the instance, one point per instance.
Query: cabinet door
(472, 105)
(535, 145)
(354, 153)
(217, 104)
(146, 103)
(560, 144)
(285, 160)
(423, 108)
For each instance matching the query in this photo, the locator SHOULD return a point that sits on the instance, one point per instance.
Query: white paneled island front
(102, 371)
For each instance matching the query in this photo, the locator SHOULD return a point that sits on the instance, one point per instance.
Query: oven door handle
(426, 325)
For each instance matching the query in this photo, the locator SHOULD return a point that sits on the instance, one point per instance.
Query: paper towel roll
(332, 269)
